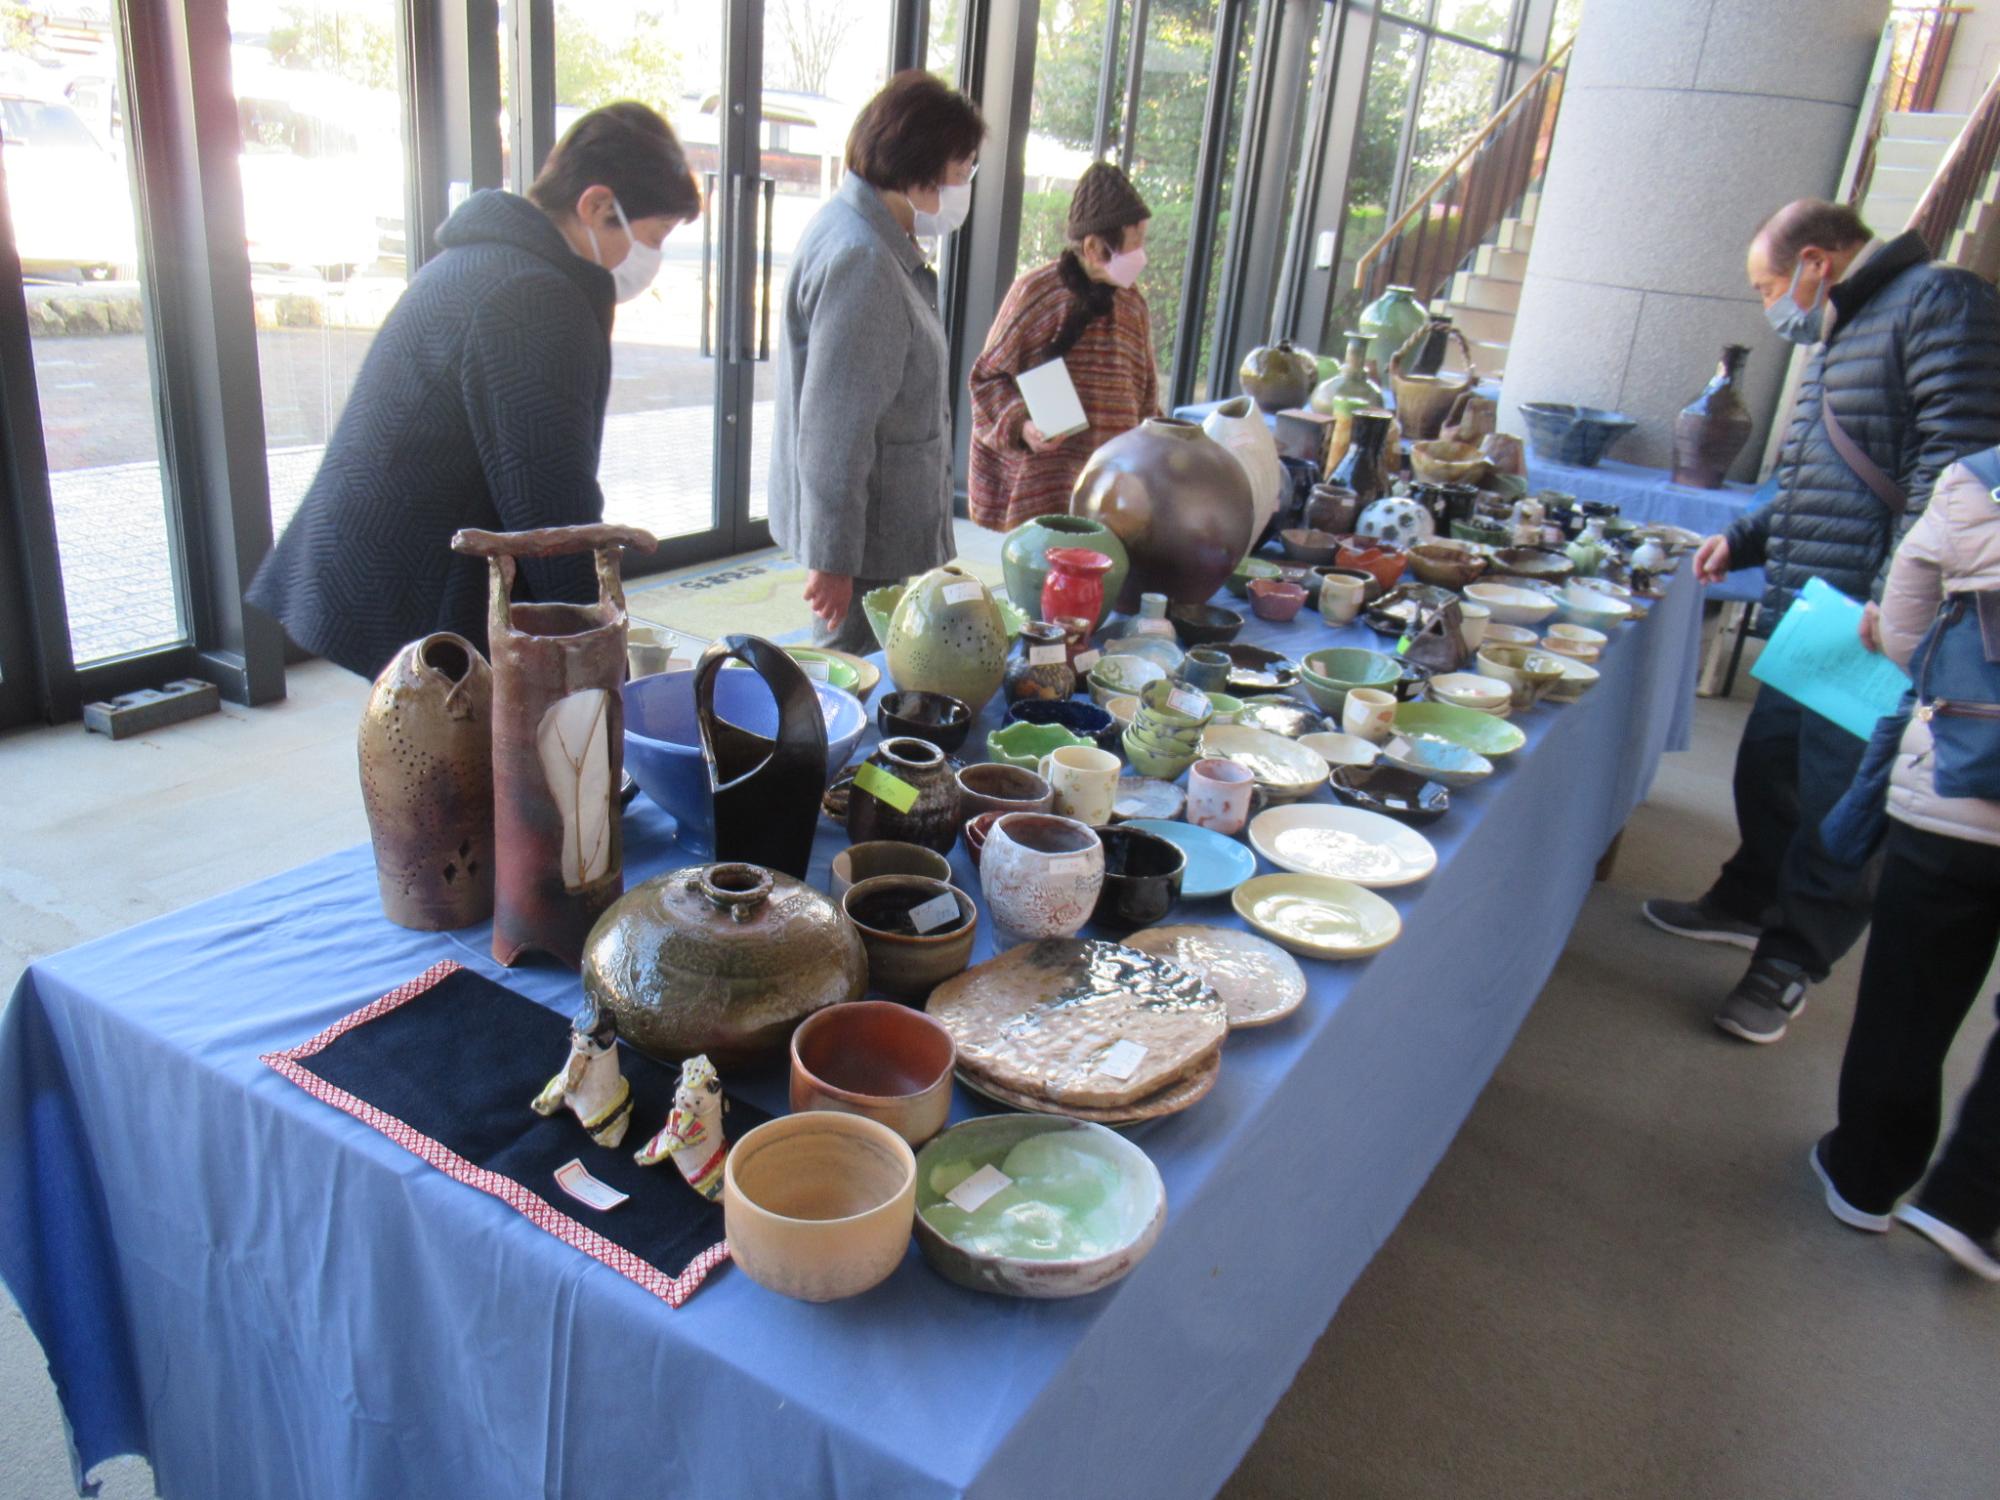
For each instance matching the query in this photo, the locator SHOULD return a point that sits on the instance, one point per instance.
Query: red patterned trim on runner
(672, 1290)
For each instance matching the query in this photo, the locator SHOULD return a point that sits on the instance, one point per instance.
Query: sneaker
(1702, 922)
(1839, 1207)
(1981, 1258)
(1764, 1001)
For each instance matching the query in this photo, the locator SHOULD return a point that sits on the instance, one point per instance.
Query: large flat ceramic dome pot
(1178, 500)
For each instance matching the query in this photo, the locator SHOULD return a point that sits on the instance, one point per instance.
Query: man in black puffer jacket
(481, 402)
(1909, 360)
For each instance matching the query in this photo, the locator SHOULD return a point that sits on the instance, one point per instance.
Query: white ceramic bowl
(1577, 678)
(1510, 605)
(1338, 749)
(1470, 690)
(1593, 609)
(1509, 635)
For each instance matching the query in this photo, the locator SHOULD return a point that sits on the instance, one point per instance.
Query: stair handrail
(1931, 31)
(1960, 175)
(1534, 88)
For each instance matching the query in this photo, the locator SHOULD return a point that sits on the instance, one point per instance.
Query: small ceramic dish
(1159, 649)
(991, 787)
(1510, 635)
(1373, 555)
(1115, 676)
(1077, 1251)
(1249, 568)
(1024, 745)
(1449, 564)
(1346, 843)
(1204, 624)
(1542, 563)
(1341, 751)
(1329, 673)
(1170, 707)
(1511, 605)
(1489, 734)
(1579, 641)
(1391, 791)
(874, 1058)
(1285, 769)
(1259, 669)
(975, 831)
(1470, 690)
(1310, 547)
(1276, 600)
(819, 1205)
(1121, 707)
(1162, 762)
(1529, 674)
(1226, 708)
(821, 667)
(1444, 761)
(939, 718)
(1142, 877)
(1316, 916)
(1287, 719)
(866, 860)
(1216, 864)
(1146, 797)
(1083, 719)
(1577, 678)
(1593, 608)
(903, 963)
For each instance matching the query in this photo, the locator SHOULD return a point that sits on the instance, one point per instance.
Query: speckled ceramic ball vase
(947, 636)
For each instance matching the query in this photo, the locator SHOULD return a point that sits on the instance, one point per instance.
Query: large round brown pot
(1178, 500)
(720, 959)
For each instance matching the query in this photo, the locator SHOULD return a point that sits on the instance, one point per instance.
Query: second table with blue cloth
(265, 1297)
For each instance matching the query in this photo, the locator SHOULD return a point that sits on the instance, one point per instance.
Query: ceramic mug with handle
(1085, 782)
(1219, 793)
(1340, 597)
(1370, 713)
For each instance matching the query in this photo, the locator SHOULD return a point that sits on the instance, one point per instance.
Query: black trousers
(1791, 767)
(1937, 922)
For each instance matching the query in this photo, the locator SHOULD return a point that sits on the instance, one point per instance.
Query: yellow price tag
(885, 786)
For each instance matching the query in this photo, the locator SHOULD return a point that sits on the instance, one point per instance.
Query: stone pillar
(1684, 125)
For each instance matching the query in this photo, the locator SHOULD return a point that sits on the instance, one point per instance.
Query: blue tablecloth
(269, 1299)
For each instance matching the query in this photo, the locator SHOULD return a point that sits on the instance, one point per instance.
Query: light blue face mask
(1790, 321)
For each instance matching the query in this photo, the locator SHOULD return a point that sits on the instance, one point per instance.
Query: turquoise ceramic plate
(1215, 865)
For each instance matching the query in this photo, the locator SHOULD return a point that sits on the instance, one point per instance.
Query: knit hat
(1104, 203)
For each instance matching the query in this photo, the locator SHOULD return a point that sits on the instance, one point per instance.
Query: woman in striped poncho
(1084, 310)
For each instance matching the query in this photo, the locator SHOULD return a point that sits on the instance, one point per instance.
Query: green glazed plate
(1469, 727)
(840, 674)
(1024, 745)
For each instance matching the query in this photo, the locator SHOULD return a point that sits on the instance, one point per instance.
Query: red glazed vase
(1075, 585)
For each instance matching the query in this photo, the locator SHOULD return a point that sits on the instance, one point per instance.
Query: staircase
(1483, 298)
(1908, 154)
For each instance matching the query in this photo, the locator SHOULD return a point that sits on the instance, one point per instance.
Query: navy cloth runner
(446, 1065)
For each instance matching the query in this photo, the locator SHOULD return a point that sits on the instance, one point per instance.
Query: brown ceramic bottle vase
(1712, 429)
(905, 790)
(426, 752)
(558, 741)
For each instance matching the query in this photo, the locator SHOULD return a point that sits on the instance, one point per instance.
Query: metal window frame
(531, 87)
(448, 62)
(909, 35)
(1107, 82)
(1207, 200)
(1135, 73)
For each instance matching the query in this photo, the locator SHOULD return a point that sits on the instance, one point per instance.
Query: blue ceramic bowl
(663, 743)
(1577, 435)
(1075, 715)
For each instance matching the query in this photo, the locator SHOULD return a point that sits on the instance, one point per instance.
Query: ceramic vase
(1239, 426)
(722, 960)
(765, 792)
(915, 796)
(426, 752)
(1178, 500)
(1039, 667)
(947, 636)
(1041, 875)
(1361, 470)
(1024, 559)
(1712, 429)
(1588, 550)
(1425, 400)
(1351, 387)
(1332, 508)
(1388, 322)
(558, 741)
(1074, 588)
(1279, 376)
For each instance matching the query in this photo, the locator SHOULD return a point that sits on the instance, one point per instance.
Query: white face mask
(641, 264)
(954, 203)
(1123, 268)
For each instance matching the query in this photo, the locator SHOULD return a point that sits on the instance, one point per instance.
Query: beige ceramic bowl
(1498, 634)
(1470, 690)
(1510, 605)
(877, 1059)
(1122, 708)
(1528, 674)
(864, 861)
(819, 1205)
(1579, 641)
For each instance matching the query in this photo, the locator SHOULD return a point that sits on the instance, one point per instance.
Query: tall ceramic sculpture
(765, 792)
(1239, 427)
(1179, 501)
(426, 753)
(558, 741)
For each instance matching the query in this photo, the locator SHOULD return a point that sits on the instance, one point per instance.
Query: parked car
(69, 197)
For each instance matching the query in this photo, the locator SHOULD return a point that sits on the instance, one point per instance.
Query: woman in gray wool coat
(860, 485)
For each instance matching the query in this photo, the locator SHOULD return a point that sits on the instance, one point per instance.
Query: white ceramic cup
(1041, 875)
(1370, 713)
(1085, 781)
(1474, 618)
(1340, 599)
(1218, 796)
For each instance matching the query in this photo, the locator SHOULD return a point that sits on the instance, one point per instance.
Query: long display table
(265, 1297)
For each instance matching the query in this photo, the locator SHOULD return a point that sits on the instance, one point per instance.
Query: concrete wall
(1683, 126)
(1975, 57)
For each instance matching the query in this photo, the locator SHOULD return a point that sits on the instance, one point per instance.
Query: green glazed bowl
(1327, 674)
(1166, 766)
(1249, 568)
(1491, 737)
(1024, 745)
(1226, 708)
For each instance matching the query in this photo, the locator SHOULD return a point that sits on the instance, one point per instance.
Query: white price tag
(1188, 701)
(818, 668)
(575, 1180)
(1085, 660)
(963, 593)
(972, 1193)
(1074, 864)
(1122, 1061)
(1047, 656)
(934, 913)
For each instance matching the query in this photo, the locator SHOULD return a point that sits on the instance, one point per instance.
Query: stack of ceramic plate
(1164, 737)
(1118, 675)
(1286, 770)
(1093, 1030)
(1258, 982)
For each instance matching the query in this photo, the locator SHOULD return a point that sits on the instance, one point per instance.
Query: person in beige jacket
(1936, 924)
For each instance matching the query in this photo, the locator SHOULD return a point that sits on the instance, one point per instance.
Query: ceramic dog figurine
(590, 1084)
(693, 1135)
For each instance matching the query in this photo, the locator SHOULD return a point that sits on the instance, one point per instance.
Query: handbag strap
(1886, 489)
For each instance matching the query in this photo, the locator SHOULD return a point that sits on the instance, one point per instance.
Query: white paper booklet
(1052, 400)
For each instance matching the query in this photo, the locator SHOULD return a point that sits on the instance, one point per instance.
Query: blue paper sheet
(1816, 657)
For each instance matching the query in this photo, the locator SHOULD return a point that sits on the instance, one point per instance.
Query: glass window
(323, 172)
(1062, 126)
(69, 191)
(1486, 21)
(1384, 107)
(1568, 14)
(941, 48)
(1460, 88)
